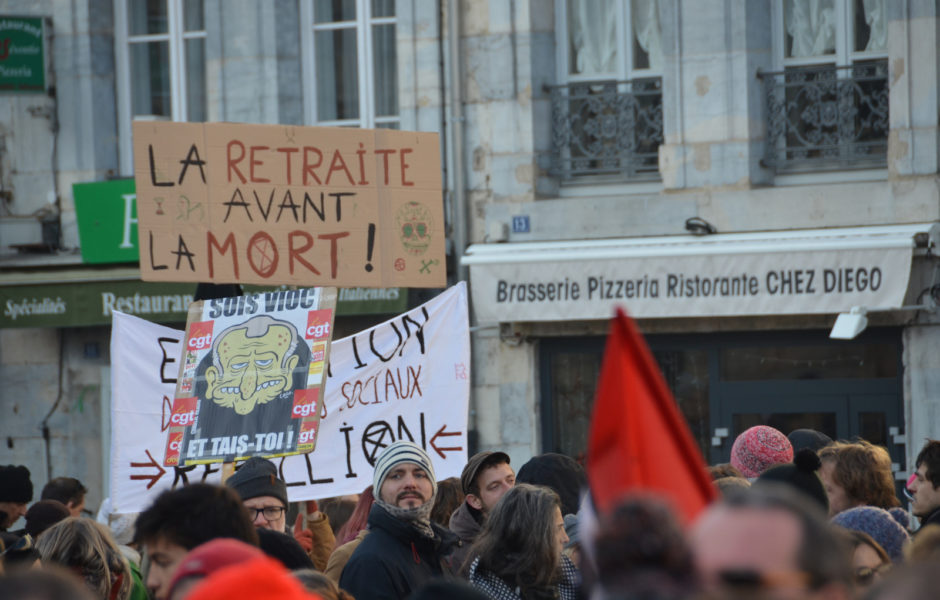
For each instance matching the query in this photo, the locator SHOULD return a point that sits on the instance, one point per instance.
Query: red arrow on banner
(153, 478)
(441, 432)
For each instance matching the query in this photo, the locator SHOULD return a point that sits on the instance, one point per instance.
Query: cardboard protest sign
(275, 204)
(407, 377)
(251, 376)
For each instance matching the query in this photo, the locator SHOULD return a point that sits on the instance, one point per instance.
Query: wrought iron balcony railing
(607, 128)
(827, 117)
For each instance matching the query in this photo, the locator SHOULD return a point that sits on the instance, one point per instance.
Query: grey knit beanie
(400, 452)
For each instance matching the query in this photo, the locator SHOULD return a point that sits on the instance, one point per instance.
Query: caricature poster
(251, 377)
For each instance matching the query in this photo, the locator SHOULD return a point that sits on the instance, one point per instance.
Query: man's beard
(411, 495)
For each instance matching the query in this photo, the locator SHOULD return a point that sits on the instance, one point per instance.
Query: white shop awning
(765, 273)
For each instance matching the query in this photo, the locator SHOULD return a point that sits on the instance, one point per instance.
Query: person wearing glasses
(870, 561)
(265, 497)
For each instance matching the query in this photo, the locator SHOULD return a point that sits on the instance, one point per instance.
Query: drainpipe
(456, 137)
(459, 213)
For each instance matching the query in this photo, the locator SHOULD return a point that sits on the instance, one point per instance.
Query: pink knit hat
(758, 449)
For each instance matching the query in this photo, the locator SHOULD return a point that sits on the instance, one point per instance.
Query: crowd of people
(798, 516)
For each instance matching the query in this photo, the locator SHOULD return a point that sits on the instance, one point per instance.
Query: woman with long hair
(518, 554)
(86, 548)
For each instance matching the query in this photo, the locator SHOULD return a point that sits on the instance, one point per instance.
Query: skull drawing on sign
(414, 222)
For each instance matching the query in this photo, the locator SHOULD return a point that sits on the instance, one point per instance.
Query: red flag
(639, 440)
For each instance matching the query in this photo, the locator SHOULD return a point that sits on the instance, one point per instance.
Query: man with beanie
(16, 491)
(485, 479)
(404, 548)
(265, 497)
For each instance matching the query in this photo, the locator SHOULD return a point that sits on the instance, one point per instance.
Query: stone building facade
(740, 143)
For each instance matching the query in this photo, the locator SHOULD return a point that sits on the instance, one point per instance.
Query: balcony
(827, 117)
(607, 128)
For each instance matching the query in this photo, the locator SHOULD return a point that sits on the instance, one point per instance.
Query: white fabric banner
(408, 377)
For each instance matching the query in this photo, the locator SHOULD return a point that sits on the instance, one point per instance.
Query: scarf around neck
(418, 517)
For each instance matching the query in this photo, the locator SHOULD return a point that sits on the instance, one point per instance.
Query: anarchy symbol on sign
(262, 254)
(373, 440)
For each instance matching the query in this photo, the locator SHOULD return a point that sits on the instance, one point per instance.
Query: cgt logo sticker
(318, 324)
(200, 335)
(183, 413)
(308, 434)
(173, 445)
(305, 403)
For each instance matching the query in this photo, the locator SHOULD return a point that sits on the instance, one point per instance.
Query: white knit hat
(400, 452)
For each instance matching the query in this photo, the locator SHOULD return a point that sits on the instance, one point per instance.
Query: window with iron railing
(827, 117)
(827, 107)
(607, 128)
(607, 117)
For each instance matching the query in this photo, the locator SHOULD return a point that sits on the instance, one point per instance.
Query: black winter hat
(808, 438)
(801, 475)
(15, 485)
(258, 477)
(558, 472)
(285, 548)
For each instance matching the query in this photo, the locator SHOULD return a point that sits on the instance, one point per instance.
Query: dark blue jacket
(395, 559)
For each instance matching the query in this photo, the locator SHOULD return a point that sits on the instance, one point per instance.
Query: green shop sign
(22, 55)
(93, 303)
(107, 221)
(81, 304)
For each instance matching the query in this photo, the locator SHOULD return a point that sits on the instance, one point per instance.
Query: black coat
(395, 559)
(932, 519)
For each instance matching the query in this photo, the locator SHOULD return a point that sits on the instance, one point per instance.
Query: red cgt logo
(308, 432)
(318, 324)
(200, 335)
(183, 413)
(173, 446)
(305, 403)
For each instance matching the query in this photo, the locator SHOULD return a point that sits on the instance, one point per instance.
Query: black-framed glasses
(271, 513)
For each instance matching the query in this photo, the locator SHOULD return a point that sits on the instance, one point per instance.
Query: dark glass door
(726, 383)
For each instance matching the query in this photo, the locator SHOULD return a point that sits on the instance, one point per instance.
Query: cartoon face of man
(252, 363)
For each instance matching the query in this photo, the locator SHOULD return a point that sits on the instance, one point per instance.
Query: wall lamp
(850, 324)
